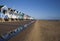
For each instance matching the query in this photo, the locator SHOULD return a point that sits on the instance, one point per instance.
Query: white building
(3, 8)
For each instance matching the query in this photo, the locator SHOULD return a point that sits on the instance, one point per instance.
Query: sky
(39, 9)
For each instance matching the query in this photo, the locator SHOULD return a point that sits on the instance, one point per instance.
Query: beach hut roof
(1, 6)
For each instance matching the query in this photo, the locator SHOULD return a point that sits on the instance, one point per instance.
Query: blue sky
(40, 9)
